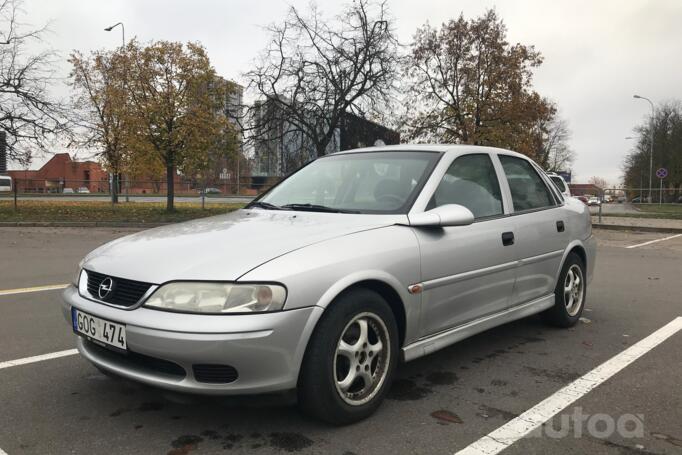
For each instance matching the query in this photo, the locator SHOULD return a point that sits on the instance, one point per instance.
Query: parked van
(560, 183)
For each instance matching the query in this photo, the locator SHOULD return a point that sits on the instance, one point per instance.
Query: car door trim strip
(451, 279)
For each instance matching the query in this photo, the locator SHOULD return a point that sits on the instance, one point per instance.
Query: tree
(599, 182)
(29, 116)
(314, 71)
(175, 105)
(551, 150)
(100, 106)
(467, 84)
(667, 129)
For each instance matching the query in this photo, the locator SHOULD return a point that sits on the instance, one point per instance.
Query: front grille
(214, 374)
(139, 362)
(124, 292)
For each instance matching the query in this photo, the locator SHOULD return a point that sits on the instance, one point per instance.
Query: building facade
(280, 147)
(62, 172)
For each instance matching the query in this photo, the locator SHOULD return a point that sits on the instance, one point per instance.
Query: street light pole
(123, 46)
(123, 31)
(651, 152)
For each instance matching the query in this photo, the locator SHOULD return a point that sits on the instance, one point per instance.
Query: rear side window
(470, 181)
(559, 183)
(528, 190)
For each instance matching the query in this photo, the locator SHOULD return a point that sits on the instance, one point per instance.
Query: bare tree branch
(29, 116)
(313, 72)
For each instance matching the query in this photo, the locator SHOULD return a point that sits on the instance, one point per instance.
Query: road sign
(662, 173)
(565, 175)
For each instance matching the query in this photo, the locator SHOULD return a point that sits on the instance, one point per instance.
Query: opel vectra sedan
(323, 284)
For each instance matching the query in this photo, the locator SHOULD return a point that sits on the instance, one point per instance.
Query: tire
(327, 388)
(569, 300)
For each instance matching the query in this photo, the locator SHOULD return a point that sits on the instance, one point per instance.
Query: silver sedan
(358, 261)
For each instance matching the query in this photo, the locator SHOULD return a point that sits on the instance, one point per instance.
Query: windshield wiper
(316, 208)
(264, 205)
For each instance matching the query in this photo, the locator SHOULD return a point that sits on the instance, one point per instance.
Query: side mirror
(445, 215)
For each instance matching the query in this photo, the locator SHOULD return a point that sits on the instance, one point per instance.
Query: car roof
(457, 149)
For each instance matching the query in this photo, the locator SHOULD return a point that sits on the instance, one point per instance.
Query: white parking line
(2, 452)
(50, 287)
(37, 358)
(517, 428)
(654, 241)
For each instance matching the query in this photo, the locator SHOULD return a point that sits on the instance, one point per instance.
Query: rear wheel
(350, 360)
(569, 294)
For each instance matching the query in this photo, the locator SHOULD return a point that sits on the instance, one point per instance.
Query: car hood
(223, 247)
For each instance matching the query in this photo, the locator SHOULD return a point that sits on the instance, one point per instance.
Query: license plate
(97, 329)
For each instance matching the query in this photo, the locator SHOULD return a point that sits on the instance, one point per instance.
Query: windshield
(375, 182)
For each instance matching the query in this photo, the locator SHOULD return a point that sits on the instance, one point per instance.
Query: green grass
(669, 209)
(85, 211)
(655, 211)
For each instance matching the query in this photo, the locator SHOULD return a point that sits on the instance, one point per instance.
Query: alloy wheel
(573, 290)
(361, 359)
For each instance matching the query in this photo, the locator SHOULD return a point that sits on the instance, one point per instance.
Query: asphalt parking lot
(441, 404)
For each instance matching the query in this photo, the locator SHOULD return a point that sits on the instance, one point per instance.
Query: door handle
(560, 226)
(507, 238)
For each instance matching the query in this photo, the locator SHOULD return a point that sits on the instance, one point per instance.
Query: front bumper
(266, 349)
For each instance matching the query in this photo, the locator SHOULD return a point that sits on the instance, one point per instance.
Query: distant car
(83, 190)
(5, 183)
(594, 200)
(608, 198)
(621, 199)
(636, 200)
(560, 183)
(67, 191)
(211, 191)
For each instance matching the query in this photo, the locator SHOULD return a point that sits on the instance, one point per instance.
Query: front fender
(317, 274)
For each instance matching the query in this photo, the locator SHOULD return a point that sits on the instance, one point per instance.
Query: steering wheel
(391, 200)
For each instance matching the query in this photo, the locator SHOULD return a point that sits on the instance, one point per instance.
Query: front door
(467, 271)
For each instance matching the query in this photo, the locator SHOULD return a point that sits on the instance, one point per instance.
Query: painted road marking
(50, 287)
(517, 428)
(37, 358)
(654, 241)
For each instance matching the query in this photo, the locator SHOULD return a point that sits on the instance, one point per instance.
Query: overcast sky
(597, 53)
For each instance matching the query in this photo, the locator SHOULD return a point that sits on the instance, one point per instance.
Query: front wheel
(569, 294)
(350, 360)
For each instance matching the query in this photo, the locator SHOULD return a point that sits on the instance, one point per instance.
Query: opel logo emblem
(105, 288)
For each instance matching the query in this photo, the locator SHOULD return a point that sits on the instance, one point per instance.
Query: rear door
(540, 229)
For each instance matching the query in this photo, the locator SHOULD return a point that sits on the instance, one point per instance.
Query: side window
(528, 190)
(559, 183)
(470, 181)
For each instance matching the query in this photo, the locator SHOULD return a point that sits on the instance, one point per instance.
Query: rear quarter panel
(579, 226)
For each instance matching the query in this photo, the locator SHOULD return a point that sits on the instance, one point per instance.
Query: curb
(109, 224)
(620, 227)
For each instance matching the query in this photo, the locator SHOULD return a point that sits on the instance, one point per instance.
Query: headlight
(218, 298)
(77, 276)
